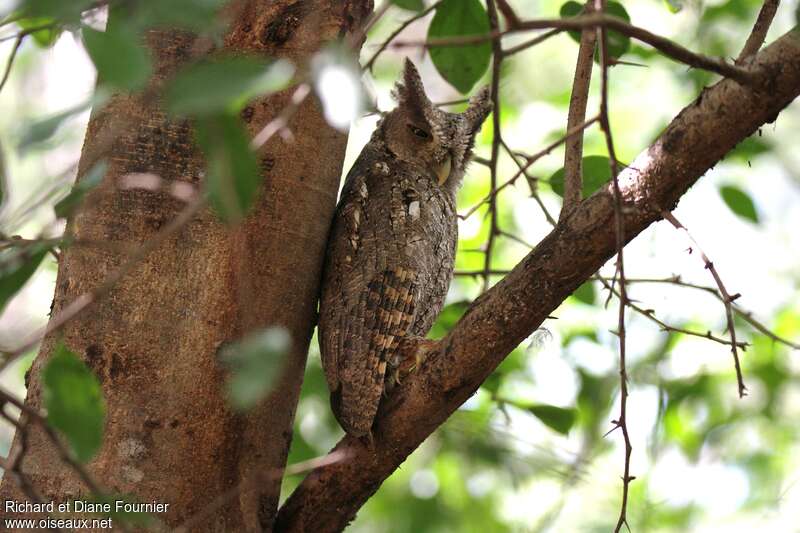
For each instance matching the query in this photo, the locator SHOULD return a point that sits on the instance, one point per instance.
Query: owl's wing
(369, 295)
(370, 333)
(340, 277)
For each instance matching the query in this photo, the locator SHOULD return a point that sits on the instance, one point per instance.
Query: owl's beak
(443, 172)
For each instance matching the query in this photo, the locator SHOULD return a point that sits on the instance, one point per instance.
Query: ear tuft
(409, 91)
(480, 105)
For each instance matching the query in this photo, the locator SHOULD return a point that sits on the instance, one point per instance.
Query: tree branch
(666, 46)
(573, 151)
(497, 139)
(727, 299)
(724, 115)
(760, 29)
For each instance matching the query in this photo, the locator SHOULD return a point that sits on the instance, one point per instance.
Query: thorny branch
(605, 125)
(497, 60)
(532, 42)
(650, 315)
(727, 299)
(529, 161)
(665, 46)
(747, 316)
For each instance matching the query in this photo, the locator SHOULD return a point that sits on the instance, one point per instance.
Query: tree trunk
(152, 339)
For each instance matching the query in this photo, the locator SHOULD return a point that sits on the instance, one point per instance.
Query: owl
(392, 245)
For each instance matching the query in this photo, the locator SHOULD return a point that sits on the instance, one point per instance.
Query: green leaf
(232, 174)
(618, 44)
(225, 84)
(411, 5)
(596, 173)
(739, 202)
(559, 419)
(61, 10)
(45, 37)
(74, 402)
(749, 149)
(568, 10)
(92, 179)
(17, 265)
(255, 362)
(674, 6)
(121, 60)
(585, 293)
(39, 131)
(448, 317)
(461, 65)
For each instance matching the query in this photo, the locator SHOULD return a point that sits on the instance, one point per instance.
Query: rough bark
(722, 116)
(152, 340)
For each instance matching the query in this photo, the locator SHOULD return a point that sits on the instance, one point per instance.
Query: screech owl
(392, 245)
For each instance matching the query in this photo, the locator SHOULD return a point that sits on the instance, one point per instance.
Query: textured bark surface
(721, 117)
(153, 339)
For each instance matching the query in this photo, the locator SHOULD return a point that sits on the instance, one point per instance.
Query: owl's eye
(422, 134)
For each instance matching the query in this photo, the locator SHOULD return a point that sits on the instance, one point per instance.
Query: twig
(13, 463)
(476, 273)
(31, 415)
(369, 64)
(760, 29)
(649, 314)
(605, 126)
(533, 42)
(666, 46)
(280, 122)
(727, 299)
(497, 60)
(457, 101)
(747, 316)
(508, 13)
(357, 38)
(63, 453)
(27, 31)
(530, 160)
(573, 151)
(11, 58)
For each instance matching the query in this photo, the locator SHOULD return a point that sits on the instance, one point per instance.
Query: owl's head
(420, 134)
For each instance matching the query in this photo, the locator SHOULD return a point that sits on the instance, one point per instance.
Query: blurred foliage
(530, 450)
(74, 402)
(254, 364)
